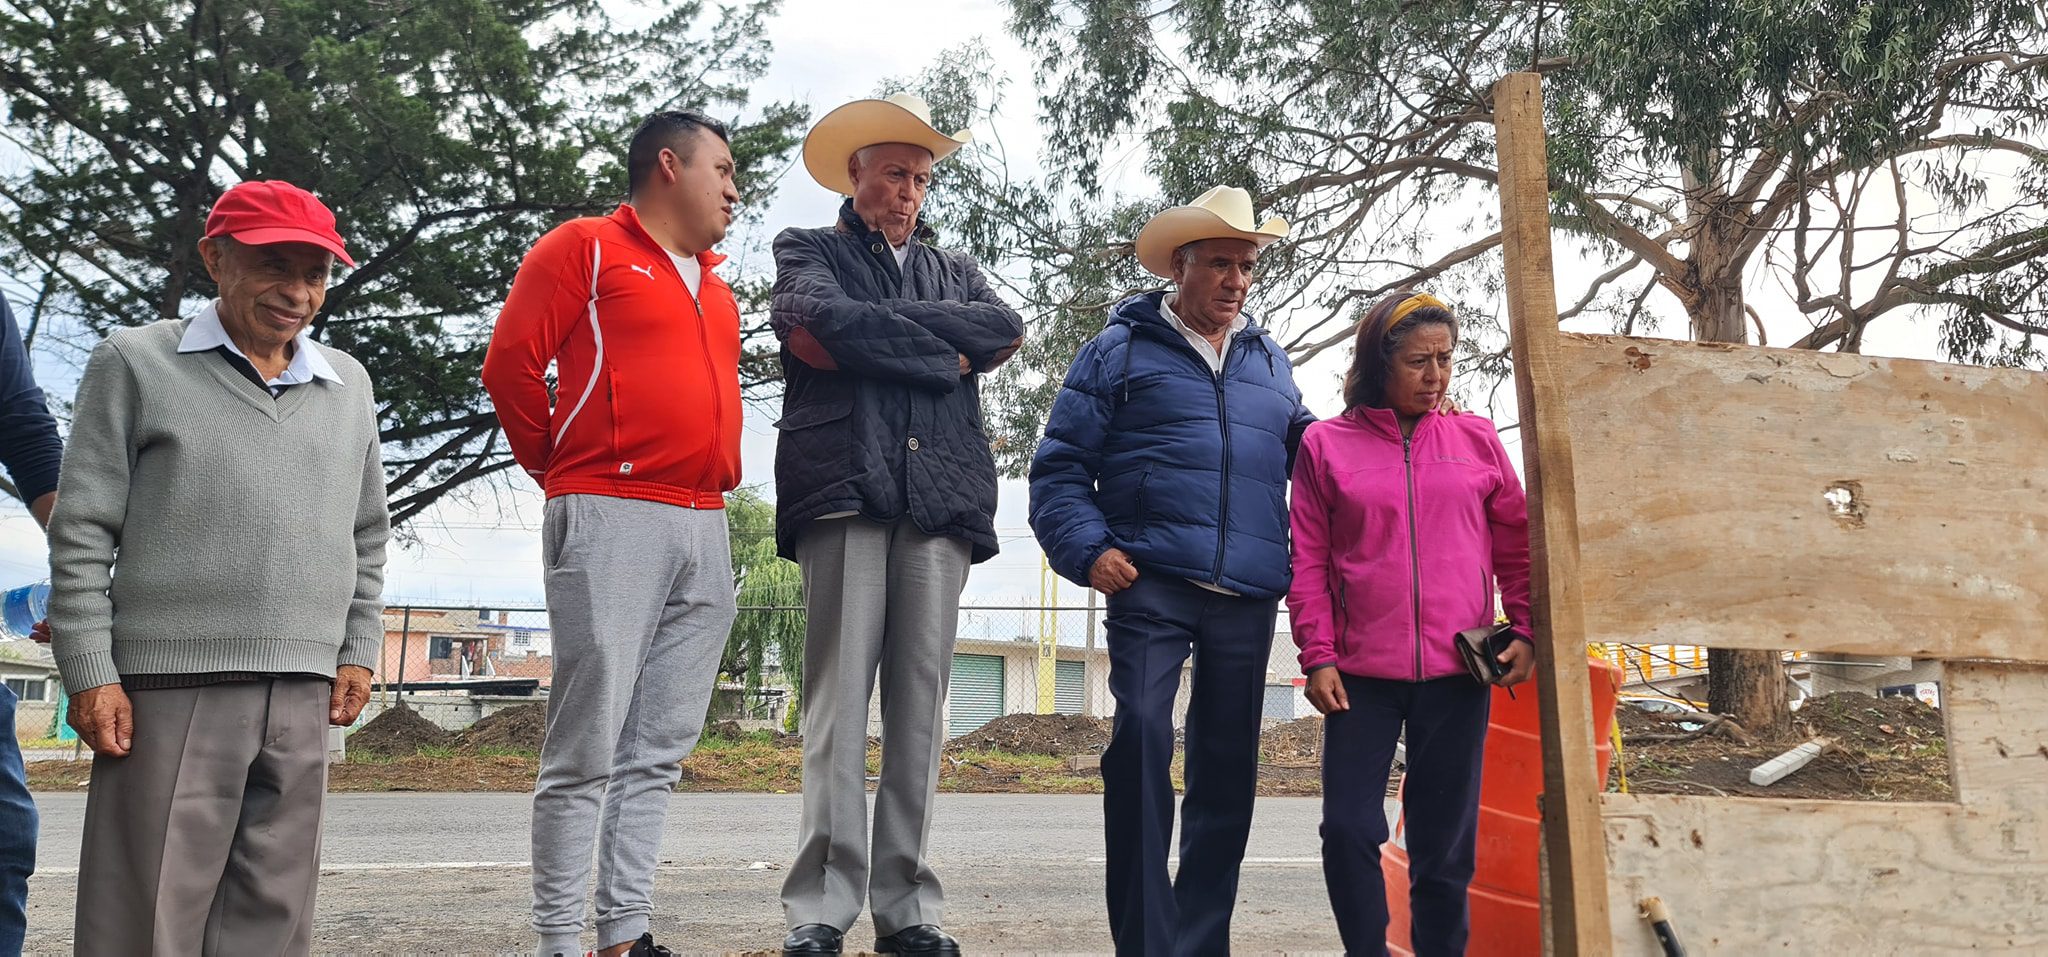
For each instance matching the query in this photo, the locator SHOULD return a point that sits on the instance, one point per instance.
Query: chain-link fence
(455, 665)
(1055, 660)
(1007, 659)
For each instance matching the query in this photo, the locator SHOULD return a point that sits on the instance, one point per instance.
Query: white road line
(1279, 861)
(665, 866)
(457, 866)
(428, 866)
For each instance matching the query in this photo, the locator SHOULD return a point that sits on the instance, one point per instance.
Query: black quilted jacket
(895, 430)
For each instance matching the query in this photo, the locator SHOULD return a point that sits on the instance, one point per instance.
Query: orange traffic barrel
(1507, 913)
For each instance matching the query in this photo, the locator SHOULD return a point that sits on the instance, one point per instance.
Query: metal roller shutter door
(1070, 687)
(976, 694)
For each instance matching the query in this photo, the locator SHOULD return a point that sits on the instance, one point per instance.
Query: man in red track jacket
(635, 450)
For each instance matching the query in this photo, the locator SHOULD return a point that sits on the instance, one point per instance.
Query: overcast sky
(487, 551)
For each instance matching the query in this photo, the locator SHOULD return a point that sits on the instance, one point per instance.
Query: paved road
(447, 874)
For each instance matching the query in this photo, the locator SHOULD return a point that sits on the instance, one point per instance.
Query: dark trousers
(1153, 627)
(17, 833)
(1446, 721)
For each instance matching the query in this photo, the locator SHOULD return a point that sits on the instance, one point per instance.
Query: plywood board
(1574, 880)
(1744, 497)
(1746, 876)
(1998, 732)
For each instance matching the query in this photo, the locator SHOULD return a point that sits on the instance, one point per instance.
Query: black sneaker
(646, 947)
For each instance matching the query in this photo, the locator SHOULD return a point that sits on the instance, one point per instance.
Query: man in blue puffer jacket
(1162, 483)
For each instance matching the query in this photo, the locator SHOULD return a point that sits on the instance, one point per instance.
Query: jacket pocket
(1486, 607)
(813, 415)
(611, 401)
(816, 447)
(557, 527)
(1343, 617)
(1143, 511)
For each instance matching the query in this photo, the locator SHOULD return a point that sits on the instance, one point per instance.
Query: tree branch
(1605, 223)
(1466, 253)
(1599, 282)
(412, 433)
(427, 461)
(403, 510)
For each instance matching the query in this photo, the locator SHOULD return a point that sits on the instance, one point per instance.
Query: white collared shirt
(206, 334)
(1209, 353)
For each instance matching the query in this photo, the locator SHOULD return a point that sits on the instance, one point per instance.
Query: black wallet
(1480, 648)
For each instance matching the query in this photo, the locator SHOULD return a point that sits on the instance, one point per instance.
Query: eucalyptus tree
(1829, 162)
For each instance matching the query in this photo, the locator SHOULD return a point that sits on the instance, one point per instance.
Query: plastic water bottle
(22, 607)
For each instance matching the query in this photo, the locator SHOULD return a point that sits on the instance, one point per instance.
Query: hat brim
(271, 235)
(863, 123)
(1181, 225)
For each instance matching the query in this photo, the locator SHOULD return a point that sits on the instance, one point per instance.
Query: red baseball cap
(261, 212)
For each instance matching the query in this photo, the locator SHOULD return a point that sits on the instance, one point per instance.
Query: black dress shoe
(812, 939)
(924, 940)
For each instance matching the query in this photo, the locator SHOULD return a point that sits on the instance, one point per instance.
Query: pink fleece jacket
(1398, 543)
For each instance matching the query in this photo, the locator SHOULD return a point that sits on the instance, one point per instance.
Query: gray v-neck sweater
(204, 526)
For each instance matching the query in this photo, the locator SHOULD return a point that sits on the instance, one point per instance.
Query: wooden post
(1575, 853)
(404, 633)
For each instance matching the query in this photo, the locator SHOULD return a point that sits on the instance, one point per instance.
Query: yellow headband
(1412, 303)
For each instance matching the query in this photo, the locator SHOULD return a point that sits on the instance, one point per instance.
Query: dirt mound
(1882, 749)
(1296, 743)
(399, 732)
(459, 772)
(1860, 720)
(518, 729)
(1058, 735)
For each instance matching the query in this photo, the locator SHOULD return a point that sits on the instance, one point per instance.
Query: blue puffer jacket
(1149, 452)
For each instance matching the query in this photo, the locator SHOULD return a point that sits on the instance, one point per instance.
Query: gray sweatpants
(887, 599)
(205, 839)
(640, 600)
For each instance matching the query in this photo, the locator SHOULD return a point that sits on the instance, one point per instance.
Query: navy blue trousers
(1446, 722)
(1153, 626)
(17, 832)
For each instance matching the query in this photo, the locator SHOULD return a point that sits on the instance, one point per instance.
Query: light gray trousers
(205, 839)
(640, 600)
(881, 599)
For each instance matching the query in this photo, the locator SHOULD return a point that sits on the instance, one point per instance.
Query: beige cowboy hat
(897, 118)
(1224, 212)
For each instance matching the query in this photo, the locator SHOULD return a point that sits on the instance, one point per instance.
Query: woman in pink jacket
(1403, 522)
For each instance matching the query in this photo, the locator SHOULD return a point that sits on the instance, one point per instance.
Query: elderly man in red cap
(231, 463)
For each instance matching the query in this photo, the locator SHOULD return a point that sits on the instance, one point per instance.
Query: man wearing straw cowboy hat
(885, 494)
(1162, 483)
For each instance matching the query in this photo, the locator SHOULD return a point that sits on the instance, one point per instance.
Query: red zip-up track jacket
(647, 397)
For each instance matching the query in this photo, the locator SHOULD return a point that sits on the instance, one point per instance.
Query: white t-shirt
(902, 253)
(692, 271)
